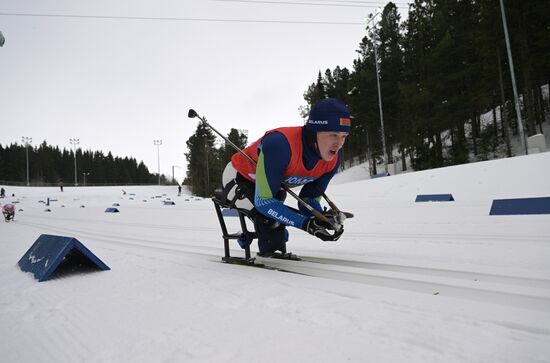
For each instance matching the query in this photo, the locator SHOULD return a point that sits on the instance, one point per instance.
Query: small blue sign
(520, 206)
(434, 198)
(380, 175)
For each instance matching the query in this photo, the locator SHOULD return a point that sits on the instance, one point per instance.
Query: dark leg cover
(272, 236)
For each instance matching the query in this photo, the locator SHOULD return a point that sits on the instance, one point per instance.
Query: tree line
(439, 71)
(50, 165)
(206, 159)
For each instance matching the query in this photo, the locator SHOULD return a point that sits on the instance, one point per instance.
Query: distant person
(306, 156)
(179, 190)
(8, 210)
(61, 186)
(2, 193)
(123, 192)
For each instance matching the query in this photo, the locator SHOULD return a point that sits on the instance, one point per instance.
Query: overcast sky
(117, 83)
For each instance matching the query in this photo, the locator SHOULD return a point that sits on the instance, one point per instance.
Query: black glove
(319, 229)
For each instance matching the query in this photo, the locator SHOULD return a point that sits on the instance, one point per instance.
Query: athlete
(306, 156)
(8, 210)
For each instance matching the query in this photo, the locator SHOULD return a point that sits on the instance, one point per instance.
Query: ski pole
(330, 203)
(192, 113)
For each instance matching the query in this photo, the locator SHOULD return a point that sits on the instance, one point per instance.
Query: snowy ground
(407, 282)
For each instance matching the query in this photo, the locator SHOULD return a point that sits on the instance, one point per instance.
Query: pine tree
(236, 137)
(315, 92)
(391, 72)
(201, 161)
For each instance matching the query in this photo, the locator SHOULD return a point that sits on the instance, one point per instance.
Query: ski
(263, 262)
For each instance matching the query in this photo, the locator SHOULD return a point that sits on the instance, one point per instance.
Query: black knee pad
(272, 236)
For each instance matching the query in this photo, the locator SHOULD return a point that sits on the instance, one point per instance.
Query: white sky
(118, 84)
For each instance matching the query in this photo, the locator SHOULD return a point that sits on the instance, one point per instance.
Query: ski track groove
(128, 224)
(450, 237)
(465, 275)
(80, 231)
(118, 240)
(361, 272)
(352, 235)
(447, 288)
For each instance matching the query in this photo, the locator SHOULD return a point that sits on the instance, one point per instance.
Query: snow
(414, 282)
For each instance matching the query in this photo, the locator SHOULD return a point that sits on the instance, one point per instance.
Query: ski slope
(407, 282)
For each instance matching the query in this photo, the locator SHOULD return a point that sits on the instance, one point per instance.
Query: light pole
(84, 177)
(75, 142)
(27, 141)
(379, 96)
(207, 171)
(512, 74)
(173, 177)
(157, 143)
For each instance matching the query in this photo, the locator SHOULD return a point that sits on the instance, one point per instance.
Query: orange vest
(296, 173)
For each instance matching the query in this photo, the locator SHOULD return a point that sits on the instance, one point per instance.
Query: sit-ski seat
(221, 202)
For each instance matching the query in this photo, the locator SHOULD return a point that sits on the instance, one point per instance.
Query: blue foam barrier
(48, 251)
(434, 198)
(380, 175)
(169, 202)
(520, 206)
(111, 210)
(226, 212)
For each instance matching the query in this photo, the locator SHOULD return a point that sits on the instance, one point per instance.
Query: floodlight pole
(173, 175)
(207, 169)
(27, 141)
(157, 143)
(379, 97)
(75, 142)
(512, 74)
